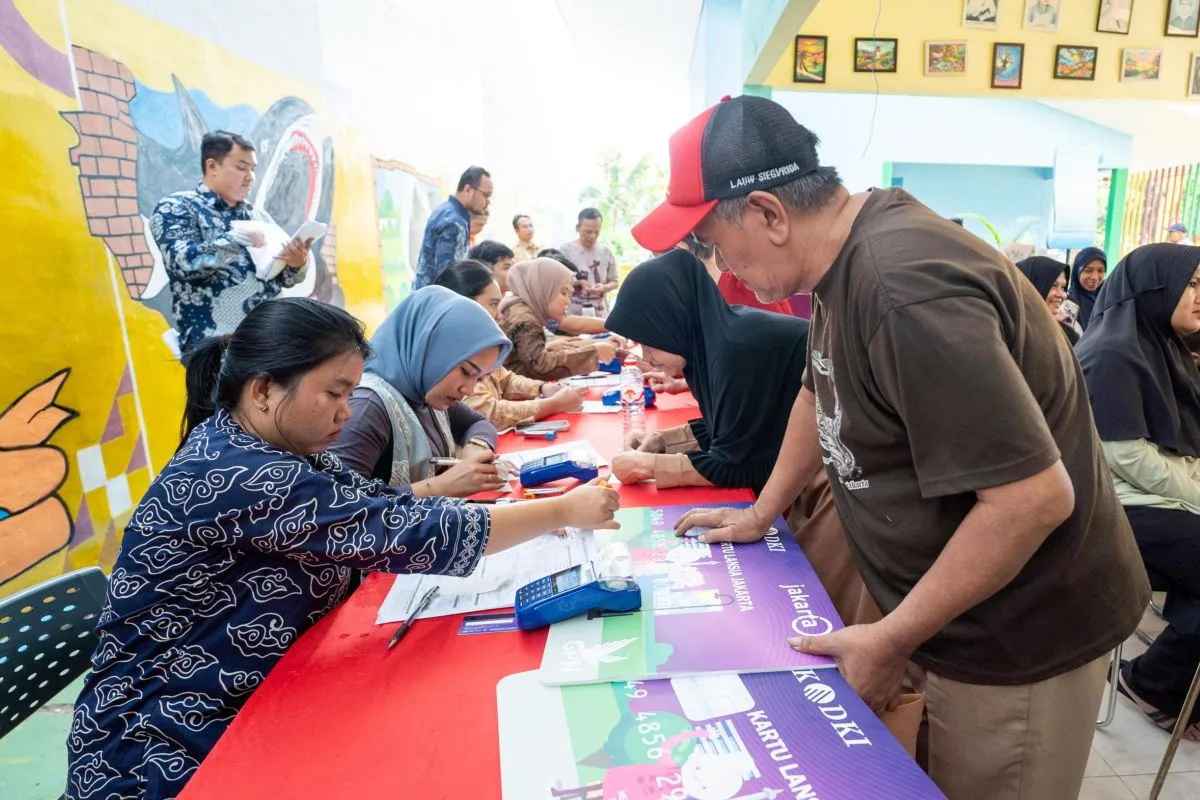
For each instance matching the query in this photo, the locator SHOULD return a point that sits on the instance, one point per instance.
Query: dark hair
(804, 195)
(490, 253)
(958, 221)
(218, 144)
(517, 219)
(467, 277)
(280, 339)
(471, 177)
(698, 248)
(590, 213)
(560, 257)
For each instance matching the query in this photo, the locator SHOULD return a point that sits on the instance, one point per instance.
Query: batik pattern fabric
(446, 240)
(236, 550)
(213, 281)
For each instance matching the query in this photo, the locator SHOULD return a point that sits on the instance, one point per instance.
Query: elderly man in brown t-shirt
(954, 425)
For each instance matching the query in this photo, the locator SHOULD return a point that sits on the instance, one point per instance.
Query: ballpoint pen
(421, 606)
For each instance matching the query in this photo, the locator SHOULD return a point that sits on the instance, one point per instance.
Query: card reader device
(574, 591)
(557, 467)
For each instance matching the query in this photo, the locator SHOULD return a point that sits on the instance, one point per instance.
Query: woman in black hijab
(742, 365)
(1087, 274)
(1049, 277)
(1145, 395)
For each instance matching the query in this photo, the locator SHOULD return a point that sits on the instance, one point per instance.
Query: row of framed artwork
(949, 59)
(1112, 16)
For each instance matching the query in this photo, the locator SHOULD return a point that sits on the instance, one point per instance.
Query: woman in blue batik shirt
(248, 537)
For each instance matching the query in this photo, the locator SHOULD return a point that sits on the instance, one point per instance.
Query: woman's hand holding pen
(591, 507)
(475, 472)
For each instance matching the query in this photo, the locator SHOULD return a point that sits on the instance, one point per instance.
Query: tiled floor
(1125, 755)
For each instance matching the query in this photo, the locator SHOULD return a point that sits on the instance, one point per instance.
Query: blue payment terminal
(556, 467)
(572, 592)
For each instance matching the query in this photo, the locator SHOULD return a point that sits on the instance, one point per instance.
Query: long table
(342, 717)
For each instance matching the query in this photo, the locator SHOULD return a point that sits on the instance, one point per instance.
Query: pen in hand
(421, 606)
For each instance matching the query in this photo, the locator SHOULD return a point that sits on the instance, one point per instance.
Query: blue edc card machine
(574, 591)
(556, 467)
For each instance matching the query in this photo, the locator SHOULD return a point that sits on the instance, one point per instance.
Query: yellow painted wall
(914, 22)
(68, 482)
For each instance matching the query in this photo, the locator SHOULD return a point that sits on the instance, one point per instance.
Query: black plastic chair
(47, 635)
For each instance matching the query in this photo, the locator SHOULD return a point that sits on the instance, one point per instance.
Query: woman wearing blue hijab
(1087, 273)
(428, 355)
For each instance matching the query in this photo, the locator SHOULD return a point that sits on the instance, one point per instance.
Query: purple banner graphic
(800, 734)
(705, 608)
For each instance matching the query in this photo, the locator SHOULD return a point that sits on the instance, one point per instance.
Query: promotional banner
(770, 736)
(705, 608)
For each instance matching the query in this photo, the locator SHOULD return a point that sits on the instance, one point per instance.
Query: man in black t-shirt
(954, 425)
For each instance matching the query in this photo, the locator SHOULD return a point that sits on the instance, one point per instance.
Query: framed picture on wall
(980, 13)
(874, 55)
(1183, 18)
(1008, 64)
(809, 66)
(1041, 15)
(1075, 63)
(1141, 65)
(1194, 76)
(1113, 16)
(945, 58)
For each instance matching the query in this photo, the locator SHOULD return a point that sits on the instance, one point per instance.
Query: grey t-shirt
(600, 265)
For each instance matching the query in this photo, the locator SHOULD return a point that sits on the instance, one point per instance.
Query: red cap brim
(665, 226)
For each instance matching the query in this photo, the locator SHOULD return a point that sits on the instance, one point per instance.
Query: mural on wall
(138, 144)
(404, 199)
(67, 491)
(34, 523)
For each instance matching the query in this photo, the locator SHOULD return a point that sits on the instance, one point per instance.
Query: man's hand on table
(738, 525)
(661, 383)
(868, 656)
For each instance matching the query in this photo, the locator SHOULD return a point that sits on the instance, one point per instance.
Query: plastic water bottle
(633, 401)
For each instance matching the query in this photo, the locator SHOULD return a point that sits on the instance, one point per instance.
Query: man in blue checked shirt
(448, 231)
(213, 280)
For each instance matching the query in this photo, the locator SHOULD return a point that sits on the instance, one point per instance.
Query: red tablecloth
(342, 717)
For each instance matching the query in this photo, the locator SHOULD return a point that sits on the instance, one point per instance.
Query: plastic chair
(47, 635)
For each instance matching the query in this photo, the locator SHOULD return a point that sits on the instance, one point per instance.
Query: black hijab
(1082, 297)
(1141, 379)
(743, 365)
(1042, 272)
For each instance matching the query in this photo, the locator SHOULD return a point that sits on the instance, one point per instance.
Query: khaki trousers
(1026, 742)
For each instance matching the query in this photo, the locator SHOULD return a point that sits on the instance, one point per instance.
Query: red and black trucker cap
(737, 146)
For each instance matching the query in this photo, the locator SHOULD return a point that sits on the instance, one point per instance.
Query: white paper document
(595, 380)
(598, 407)
(275, 238)
(494, 583)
